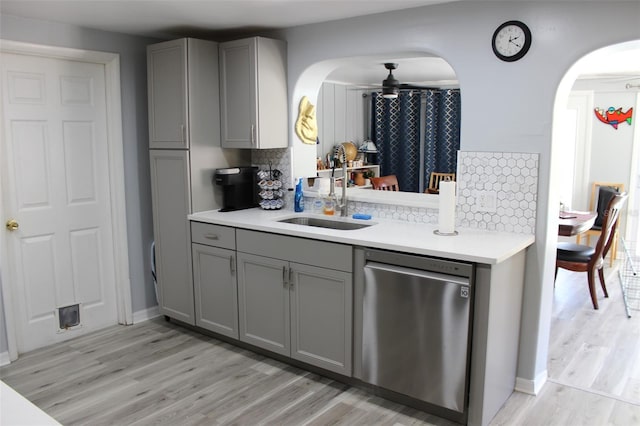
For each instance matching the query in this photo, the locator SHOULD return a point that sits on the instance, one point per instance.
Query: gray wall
(133, 77)
(342, 114)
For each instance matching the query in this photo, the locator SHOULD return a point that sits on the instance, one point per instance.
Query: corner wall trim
(531, 387)
(146, 314)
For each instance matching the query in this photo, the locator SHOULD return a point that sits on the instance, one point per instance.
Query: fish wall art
(613, 116)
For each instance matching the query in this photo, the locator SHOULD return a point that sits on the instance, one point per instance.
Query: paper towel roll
(323, 185)
(447, 207)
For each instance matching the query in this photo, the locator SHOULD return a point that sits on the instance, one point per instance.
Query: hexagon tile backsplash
(497, 191)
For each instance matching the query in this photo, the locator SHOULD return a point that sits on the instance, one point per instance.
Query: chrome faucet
(340, 154)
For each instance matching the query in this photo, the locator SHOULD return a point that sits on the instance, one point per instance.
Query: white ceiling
(217, 19)
(177, 18)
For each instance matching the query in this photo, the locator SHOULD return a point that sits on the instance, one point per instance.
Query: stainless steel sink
(325, 223)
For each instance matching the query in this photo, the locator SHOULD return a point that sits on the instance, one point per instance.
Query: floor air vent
(69, 316)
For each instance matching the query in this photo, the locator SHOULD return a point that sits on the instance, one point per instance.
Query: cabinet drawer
(213, 235)
(294, 249)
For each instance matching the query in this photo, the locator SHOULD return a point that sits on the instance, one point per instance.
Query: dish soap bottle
(298, 198)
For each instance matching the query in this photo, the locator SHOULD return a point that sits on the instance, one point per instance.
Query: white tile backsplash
(495, 191)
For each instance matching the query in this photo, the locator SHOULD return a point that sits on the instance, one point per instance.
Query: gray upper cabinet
(183, 94)
(253, 93)
(167, 81)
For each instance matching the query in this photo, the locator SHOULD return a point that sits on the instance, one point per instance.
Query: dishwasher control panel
(442, 266)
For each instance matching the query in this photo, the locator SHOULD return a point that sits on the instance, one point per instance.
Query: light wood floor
(159, 373)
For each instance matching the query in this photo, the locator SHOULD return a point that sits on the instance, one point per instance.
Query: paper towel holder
(446, 234)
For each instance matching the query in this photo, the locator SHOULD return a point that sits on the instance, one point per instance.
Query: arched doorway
(585, 344)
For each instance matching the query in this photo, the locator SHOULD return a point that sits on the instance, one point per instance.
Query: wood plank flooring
(158, 373)
(594, 361)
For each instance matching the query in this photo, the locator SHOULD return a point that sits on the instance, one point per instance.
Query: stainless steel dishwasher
(415, 327)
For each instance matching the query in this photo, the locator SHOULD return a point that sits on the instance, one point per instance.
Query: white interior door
(57, 188)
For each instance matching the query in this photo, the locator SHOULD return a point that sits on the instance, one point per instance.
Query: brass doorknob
(12, 225)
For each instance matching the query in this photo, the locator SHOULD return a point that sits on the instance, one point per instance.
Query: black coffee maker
(239, 187)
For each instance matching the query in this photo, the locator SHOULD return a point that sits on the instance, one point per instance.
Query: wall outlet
(486, 201)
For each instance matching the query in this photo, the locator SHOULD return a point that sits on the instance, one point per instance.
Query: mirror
(344, 106)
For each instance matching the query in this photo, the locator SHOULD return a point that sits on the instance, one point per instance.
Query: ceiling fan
(391, 86)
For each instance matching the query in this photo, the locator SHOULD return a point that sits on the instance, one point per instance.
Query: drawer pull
(232, 264)
(211, 236)
(284, 276)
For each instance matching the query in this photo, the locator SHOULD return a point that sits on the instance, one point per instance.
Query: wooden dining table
(574, 222)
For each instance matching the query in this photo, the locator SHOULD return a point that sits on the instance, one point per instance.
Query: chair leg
(604, 286)
(592, 288)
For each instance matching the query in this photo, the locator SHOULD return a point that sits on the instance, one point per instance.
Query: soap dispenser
(298, 200)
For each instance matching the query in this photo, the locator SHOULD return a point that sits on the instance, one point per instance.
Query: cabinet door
(263, 297)
(171, 203)
(238, 93)
(167, 94)
(321, 317)
(215, 288)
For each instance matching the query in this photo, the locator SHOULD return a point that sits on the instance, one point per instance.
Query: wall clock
(511, 41)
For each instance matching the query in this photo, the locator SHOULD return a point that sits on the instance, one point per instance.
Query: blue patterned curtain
(442, 131)
(396, 133)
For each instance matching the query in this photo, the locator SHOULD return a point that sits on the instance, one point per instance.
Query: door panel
(321, 317)
(216, 289)
(167, 89)
(264, 302)
(171, 205)
(55, 138)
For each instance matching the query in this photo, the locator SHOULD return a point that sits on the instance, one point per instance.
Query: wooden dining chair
(601, 193)
(434, 181)
(580, 258)
(385, 183)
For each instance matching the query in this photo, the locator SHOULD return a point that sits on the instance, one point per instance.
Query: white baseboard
(4, 359)
(146, 314)
(531, 387)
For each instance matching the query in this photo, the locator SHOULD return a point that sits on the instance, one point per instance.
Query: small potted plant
(368, 174)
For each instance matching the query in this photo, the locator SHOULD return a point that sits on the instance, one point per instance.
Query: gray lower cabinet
(263, 297)
(214, 278)
(215, 289)
(321, 308)
(300, 307)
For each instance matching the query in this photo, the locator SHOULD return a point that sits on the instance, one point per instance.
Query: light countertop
(473, 245)
(17, 410)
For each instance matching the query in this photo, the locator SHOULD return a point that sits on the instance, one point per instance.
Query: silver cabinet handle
(232, 264)
(212, 236)
(183, 134)
(253, 135)
(284, 276)
(291, 286)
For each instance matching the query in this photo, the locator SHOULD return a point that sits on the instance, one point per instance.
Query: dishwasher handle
(419, 273)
